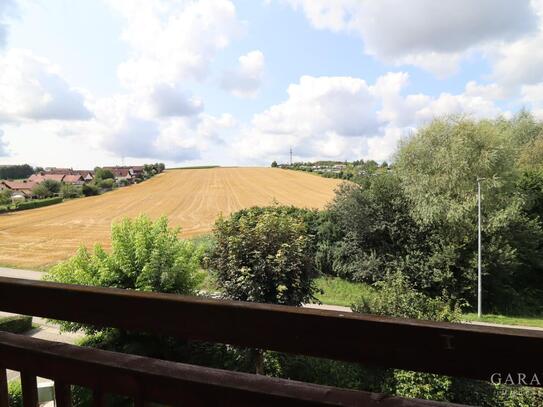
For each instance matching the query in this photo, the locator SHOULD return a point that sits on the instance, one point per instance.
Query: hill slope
(191, 199)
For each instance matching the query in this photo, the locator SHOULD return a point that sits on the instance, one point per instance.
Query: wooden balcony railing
(451, 349)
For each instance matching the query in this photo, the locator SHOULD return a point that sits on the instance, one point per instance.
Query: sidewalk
(347, 309)
(19, 273)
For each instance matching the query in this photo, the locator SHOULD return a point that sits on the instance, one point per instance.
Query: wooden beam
(176, 383)
(451, 349)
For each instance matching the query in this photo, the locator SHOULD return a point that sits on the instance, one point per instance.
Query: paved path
(347, 309)
(19, 273)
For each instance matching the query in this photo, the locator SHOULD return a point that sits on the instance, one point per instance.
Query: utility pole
(479, 279)
(291, 156)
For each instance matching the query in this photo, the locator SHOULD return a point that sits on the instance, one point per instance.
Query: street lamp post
(479, 279)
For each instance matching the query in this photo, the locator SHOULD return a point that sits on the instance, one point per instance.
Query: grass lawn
(336, 291)
(506, 320)
(341, 292)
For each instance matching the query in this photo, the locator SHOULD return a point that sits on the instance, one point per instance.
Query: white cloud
(247, 78)
(168, 101)
(139, 138)
(491, 91)
(343, 105)
(174, 40)
(425, 33)
(532, 93)
(345, 118)
(533, 96)
(32, 88)
(172, 43)
(520, 62)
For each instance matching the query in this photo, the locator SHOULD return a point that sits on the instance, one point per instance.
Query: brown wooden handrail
(144, 379)
(451, 349)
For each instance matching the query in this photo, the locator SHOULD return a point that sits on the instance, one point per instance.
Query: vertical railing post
(30, 389)
(3, 388)
(63, 394)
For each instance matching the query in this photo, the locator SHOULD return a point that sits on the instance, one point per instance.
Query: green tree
(90, 189)
(149, 170)
(274, 164)
(264, 255)
(70, 191)
(102, 174)
(370, 231)
(5, 197)
(438, 168)
(145, 255)
(107, 183)
(15, 171)
(52, 186)
(41, 191)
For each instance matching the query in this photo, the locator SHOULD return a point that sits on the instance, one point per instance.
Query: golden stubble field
(192, 199)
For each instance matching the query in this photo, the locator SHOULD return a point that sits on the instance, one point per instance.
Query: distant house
(87, 175)
(55, 170)
(121, 173)
(42, 176)
(137, 171)
(20, 187)
(74, 179)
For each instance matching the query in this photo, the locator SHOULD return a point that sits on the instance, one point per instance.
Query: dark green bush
(16, 324)
(37, 203)
(90, 190)
(107, 183)
(71, 191)
(15, 394)
(264, 255)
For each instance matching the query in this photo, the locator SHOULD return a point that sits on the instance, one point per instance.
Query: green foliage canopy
(15, 171)
(145, 255)
(264, 255)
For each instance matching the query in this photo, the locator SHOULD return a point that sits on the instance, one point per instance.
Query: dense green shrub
(145, 255)
(90, 189)
(102, 174)
(396, 297)
(107, 183)
(15, 394)
(16, 324)
(37, 203)
(71, 191)
(5, 197)
(40, 191)
(264, 255)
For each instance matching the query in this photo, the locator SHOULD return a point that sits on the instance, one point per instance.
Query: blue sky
(238, 82)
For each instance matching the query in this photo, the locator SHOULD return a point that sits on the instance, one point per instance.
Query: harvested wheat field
(191, 198)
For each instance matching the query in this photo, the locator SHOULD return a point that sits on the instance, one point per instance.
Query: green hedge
(37, 203)
(16, 324)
